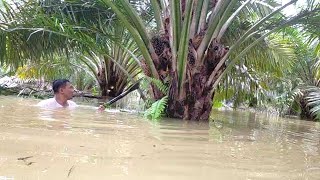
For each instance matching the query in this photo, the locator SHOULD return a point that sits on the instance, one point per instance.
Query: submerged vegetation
(192, 54)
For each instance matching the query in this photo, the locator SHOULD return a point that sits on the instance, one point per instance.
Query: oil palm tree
(305, 96)
(191, 48)
(84, 35)
(306, 87)
(251, 81)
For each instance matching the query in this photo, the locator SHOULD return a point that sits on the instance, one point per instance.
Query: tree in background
(68, 39)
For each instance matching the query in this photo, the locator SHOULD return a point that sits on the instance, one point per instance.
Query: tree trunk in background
(103, 82)
(305, 110)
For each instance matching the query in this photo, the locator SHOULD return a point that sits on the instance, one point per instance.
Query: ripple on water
(236, 145)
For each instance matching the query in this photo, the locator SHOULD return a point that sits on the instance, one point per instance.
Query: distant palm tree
(84, 35)
(306, 94)
(254, 79)
(297, 92)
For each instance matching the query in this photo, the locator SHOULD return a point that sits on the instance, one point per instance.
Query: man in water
(63, 93)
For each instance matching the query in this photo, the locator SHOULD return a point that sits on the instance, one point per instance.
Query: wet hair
(57, 84)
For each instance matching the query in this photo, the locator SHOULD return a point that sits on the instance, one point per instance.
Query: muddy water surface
(85, 144)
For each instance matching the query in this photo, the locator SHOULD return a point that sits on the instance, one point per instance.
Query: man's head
(63, 87)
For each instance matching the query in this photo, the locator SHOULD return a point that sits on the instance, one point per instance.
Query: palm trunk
(196, 102)
(305, 110)
(109, 88)
(102, 82)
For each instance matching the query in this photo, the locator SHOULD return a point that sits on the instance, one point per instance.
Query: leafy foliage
(157, 109)
(158, 84)
(300, 85)
(313, 101)
(68, 36)
(251, 80)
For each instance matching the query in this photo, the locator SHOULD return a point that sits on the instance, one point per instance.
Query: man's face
(67, 91)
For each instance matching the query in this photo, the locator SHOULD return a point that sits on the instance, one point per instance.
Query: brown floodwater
(85, 144)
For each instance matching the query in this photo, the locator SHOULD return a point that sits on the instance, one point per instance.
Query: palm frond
(312, 96)
(86, 34)
(158, 84)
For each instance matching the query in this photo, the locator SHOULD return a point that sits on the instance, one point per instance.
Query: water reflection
(251, 127)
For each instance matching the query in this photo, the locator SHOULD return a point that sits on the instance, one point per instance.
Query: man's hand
(101, 108)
